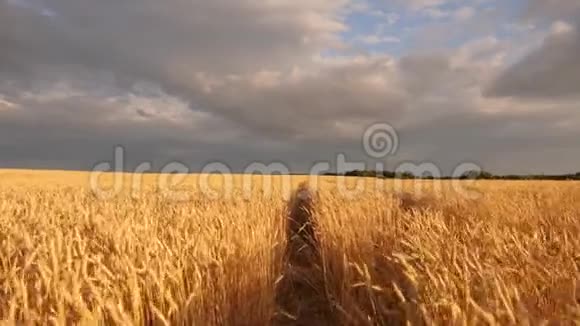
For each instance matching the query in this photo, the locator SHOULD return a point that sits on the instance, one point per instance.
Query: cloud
(239, 81)
(390, 18)
(184, 47)
(5, 104)
(464, 13)
(215, 73)
(552, 9)
(459, 14)
(424, 4)
(307, 103)
(168, 42)
(377, 39)
(551, 71)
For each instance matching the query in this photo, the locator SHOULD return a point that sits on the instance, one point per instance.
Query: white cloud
(390, 18)
(460, 14)
(464, 13)
(520, 27)
(424, 4)
(436, 13)
(377, 39)
(561, 27)
(357, 7)
(486, 53)
(6, 104)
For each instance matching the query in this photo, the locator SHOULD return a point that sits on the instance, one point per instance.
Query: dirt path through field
(301, 295)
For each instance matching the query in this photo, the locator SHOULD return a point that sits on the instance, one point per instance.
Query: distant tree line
(473, 175)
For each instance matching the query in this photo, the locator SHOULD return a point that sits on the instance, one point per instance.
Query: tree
(474, 174)
(406, 175)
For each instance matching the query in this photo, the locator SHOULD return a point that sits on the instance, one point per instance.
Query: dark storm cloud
(238, 81)
(168, 42)
(552, 71)
(552, 9)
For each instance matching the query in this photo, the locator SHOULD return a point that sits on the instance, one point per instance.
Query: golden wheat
(511, 256)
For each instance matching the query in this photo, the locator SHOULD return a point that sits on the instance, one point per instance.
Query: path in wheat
(301, 296)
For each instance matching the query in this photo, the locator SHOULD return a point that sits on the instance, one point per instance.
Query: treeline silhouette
(473, 175)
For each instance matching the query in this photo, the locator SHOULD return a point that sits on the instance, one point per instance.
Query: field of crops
(288, 254)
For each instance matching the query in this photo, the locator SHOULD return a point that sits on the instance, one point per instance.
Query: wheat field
(291, 254)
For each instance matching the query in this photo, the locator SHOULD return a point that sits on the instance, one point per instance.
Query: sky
(491, 82)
